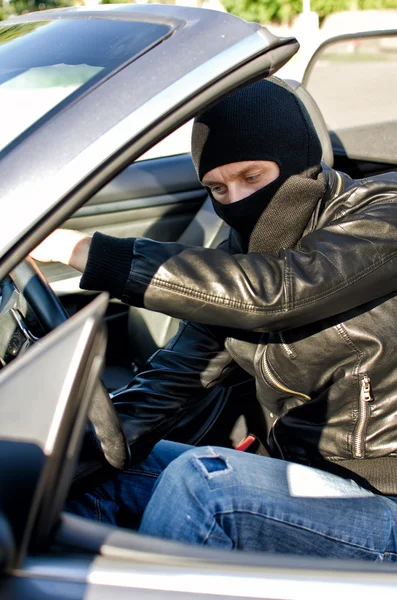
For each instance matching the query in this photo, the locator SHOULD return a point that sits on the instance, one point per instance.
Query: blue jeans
(226, 498)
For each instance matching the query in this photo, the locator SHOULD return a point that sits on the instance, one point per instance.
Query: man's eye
(218, 189)
(252, 177)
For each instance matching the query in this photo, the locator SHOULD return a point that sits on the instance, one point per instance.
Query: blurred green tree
(114, 1)
(377, 4)
(5, 10)
(283, 11)
(20, 7)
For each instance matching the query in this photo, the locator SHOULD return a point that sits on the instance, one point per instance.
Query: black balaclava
(264, 121)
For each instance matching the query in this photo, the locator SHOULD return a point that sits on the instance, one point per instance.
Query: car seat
(317, 118)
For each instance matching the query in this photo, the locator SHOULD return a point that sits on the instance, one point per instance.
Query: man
(302, 297)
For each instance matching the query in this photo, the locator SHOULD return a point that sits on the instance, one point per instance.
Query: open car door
(42, 421)
(352, 79)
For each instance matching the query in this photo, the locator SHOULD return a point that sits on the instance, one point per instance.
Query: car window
(178, 142)
(44, 63)
(353, 81)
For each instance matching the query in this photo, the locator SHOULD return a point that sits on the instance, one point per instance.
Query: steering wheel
(27, 284)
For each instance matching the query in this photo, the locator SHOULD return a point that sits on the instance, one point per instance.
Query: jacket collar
(336, 183)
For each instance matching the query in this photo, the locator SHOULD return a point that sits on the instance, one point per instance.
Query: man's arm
(175, 379)
(348, 262)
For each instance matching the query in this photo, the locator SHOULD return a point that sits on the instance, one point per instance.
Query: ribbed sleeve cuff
(108, 265)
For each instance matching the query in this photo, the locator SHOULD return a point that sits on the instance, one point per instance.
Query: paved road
(357, 93)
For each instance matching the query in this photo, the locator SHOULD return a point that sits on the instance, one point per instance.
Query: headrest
(317, 118)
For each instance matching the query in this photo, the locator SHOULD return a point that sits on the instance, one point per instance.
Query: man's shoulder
(348, 197)
(383, 181)
(356, 194)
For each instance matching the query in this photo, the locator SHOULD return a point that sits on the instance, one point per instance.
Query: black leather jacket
(316, 326)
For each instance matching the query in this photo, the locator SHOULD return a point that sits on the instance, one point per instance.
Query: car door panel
(162, 175)
(42, 423)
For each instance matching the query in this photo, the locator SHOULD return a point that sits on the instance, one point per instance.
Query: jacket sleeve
(175, 380)
(347, 262)
(350, 261)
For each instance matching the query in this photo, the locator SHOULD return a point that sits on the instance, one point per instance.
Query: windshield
(43, 64)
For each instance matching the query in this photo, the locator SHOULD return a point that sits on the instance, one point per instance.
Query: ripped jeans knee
(212, 464)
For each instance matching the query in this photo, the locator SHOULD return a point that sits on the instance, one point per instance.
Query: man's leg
(122, 499)
(229, 499)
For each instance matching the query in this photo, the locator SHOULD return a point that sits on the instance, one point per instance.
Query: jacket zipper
(364, 410)
(286, 346)
(274, 381)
